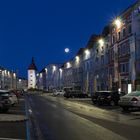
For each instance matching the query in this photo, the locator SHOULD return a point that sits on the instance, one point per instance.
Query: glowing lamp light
(8, 73)
(14, 74)
(87, 52)
(19, 80)
(5, 71)
(54, 68)
(118, 23)
(101, 42)
(77, 58)
(68, 65)
(41, 75)
(60, 70)
(46, 70)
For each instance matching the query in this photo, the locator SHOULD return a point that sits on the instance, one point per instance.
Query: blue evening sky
(43, 28)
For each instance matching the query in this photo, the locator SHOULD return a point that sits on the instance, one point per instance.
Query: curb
(13, 121)
(17, 120)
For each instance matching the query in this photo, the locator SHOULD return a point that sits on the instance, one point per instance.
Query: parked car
(131, 100)
(17, 93)
(13, 98)
(4, 101)
(75, 94)
(107, 97)
(58, 92)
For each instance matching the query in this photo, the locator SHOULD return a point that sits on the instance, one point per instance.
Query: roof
(32, 65)
(93, 39)
(80, 51)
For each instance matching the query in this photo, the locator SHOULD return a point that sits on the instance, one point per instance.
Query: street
(59, 119)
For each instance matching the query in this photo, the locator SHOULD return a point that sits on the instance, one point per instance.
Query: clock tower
(32, 69)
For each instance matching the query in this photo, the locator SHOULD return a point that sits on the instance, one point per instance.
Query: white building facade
(32, 80)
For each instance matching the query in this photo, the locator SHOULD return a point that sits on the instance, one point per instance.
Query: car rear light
(134, 99)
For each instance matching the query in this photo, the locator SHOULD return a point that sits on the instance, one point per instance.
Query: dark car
(75, 94)
(107, 97)
(4, 101)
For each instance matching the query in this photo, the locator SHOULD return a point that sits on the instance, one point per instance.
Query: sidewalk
(13, 123)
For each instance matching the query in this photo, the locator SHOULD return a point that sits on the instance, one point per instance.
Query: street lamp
(77, 59)
(8, 73)
(46, 70)
(54, 68)
(14, 74)
(41, 75)
(101, 42)
(60, 70)
(68, 65)
(87, 52)
(118, 23)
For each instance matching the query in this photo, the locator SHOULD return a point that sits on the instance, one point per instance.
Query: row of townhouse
(49, 77)
(9, 80)
(110, 61)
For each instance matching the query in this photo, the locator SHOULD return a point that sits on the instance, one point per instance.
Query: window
(102, 59)
(97, 51)
(124, 68)
(87, 66)
(119, 35)
(130, 29)
(124, 32)
(113, 39)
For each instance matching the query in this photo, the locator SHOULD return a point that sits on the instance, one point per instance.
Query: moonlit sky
(44, 28)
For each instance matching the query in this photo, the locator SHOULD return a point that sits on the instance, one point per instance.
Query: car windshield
(136, 93)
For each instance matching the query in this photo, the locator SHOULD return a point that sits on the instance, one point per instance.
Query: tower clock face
(31, 72)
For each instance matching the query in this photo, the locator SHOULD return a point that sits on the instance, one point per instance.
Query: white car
(131, 100)
(58, 92)
(13, 98)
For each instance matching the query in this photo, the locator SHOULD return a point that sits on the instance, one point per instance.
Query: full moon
(67, 50)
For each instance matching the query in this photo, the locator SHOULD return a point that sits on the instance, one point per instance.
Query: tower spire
(32, 66)
(33, 62)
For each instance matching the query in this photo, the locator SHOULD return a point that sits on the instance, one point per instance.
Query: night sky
(43, 28)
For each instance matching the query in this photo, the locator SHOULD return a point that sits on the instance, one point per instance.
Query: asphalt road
(58, 121)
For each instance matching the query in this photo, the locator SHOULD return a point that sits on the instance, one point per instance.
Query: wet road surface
(58, 120)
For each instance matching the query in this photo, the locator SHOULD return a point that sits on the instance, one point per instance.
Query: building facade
(50, 77)
(32, 79)
(9, 80)
(110, 61)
